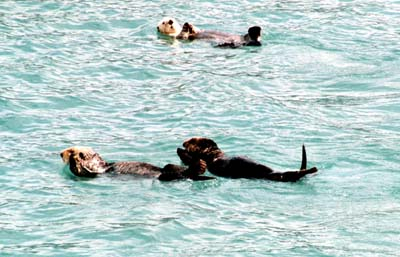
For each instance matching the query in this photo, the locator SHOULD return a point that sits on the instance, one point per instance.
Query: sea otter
(170, 27)
(85, 162)
(236, 167)
(222, 39)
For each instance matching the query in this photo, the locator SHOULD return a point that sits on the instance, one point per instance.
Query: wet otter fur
(85, 162)
(236, 167)
(222, 39)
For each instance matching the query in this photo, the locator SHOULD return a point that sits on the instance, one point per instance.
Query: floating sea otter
(84, 162)
(170, 27)
(236, 167)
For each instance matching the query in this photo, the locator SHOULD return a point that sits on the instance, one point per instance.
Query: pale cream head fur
(83, 161)
(169, 26)
(75, 150)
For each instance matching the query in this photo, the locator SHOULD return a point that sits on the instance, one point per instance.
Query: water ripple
(97, 74)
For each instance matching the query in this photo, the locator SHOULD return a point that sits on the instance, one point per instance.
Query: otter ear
(65, 154)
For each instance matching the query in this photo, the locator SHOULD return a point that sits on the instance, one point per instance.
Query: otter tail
(292, 176)
(303, 166)
(304, 159)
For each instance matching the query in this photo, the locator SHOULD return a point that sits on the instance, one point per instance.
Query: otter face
(169, 26)
(200, 145)
(83, 161)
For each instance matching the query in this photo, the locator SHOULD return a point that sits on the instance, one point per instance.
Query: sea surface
(96, 73)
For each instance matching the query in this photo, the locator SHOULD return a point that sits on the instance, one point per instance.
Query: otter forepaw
(184, 155)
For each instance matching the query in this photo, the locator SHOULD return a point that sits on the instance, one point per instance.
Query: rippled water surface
(96, 73)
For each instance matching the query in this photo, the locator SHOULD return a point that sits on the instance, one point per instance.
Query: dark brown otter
(84, 162)
(236, 167)
(252, 38)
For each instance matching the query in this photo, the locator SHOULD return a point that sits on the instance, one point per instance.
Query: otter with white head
(85, 162)
(170, 27)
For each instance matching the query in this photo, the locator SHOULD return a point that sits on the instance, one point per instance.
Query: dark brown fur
(252, 38)
(236, 167)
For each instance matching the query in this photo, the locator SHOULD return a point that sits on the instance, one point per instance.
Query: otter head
(253, 36)
(201, 148)
(189, 31)
(83, 161)
(169, 26)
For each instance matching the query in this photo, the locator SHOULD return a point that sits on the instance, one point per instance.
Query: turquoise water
(96, 73)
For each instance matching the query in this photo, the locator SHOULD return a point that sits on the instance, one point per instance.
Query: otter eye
(163, 23)
(171, 22)
(81, 155)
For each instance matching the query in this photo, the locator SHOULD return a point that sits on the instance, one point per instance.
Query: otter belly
(135, 168)
(239, 167)
(219, 37)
